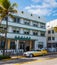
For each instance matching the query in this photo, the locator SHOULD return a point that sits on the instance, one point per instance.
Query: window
(49, 31)
(42, 33)
(31, 14)
(22, 12)
(14, 19)
(2, 44)
(56, 44)
(35, 25)
(42, 25)
(6, 18)
(39, 17)
(49, 38)
(18, 20)
(26, 22)
(15, 31)
(40, 45)
(26, 33)
(52, 31)
(49, 45)
(53, 38)
(35, 33)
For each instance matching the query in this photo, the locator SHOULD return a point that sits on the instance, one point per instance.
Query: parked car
(35, 53)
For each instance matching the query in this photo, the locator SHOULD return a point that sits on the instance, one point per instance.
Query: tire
(44, 54)
(31, 55)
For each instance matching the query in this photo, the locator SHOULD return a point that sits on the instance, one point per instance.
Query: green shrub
(4, 57)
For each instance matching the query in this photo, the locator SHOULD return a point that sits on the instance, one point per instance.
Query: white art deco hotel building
(26, 31)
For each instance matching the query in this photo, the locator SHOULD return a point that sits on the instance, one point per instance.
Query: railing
(12, 52)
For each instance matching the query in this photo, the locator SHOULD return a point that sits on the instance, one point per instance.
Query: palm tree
(7, 10)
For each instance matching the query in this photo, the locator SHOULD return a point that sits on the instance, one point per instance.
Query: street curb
(12, 58)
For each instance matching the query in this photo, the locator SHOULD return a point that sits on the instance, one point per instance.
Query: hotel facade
(26, 32)
(51, 34)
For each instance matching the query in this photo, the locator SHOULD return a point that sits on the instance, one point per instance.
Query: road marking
(16, 64)
(28, 62)
(41, 60)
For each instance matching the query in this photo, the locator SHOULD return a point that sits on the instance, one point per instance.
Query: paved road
(43, 60)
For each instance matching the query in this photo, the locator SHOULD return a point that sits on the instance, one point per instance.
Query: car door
(37, 53)
(44, 51)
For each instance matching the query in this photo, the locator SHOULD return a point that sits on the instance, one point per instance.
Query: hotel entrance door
(24, 46)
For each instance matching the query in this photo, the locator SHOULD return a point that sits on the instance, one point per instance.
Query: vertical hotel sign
(55, 29)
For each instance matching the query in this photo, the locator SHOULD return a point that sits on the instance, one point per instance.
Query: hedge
(4, 57)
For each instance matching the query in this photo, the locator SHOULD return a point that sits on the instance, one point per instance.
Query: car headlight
(26, 54)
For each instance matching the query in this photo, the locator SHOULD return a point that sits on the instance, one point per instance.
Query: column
(21, 21)
(10, 19)
(39, 25)
(36, 45)
(17, 44)
(8, 44)
(9, 29)
(21, 31)
(31, 32)
(31, 23)
(30, 44)
(39, 33)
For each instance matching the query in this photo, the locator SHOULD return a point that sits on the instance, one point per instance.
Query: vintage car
(35, 53)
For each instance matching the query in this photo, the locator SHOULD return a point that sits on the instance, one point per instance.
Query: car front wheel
(31, 55)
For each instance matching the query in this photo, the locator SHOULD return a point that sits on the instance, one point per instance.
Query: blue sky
(46, 8)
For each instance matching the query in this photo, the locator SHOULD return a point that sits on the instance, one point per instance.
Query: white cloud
(46, 8)
(39, 12)
(52, 3)
(28, 7)
(36, 0)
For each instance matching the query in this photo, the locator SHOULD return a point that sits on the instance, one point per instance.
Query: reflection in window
(49, 31)
(40, 45)
(49, 38)
(12, 45)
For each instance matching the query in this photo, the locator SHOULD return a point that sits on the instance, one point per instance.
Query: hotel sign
(22, 38)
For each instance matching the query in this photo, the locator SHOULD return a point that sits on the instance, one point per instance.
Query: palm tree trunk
(5, 45)
(6, 40)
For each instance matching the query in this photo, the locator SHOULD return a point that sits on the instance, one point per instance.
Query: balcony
(23, 26)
